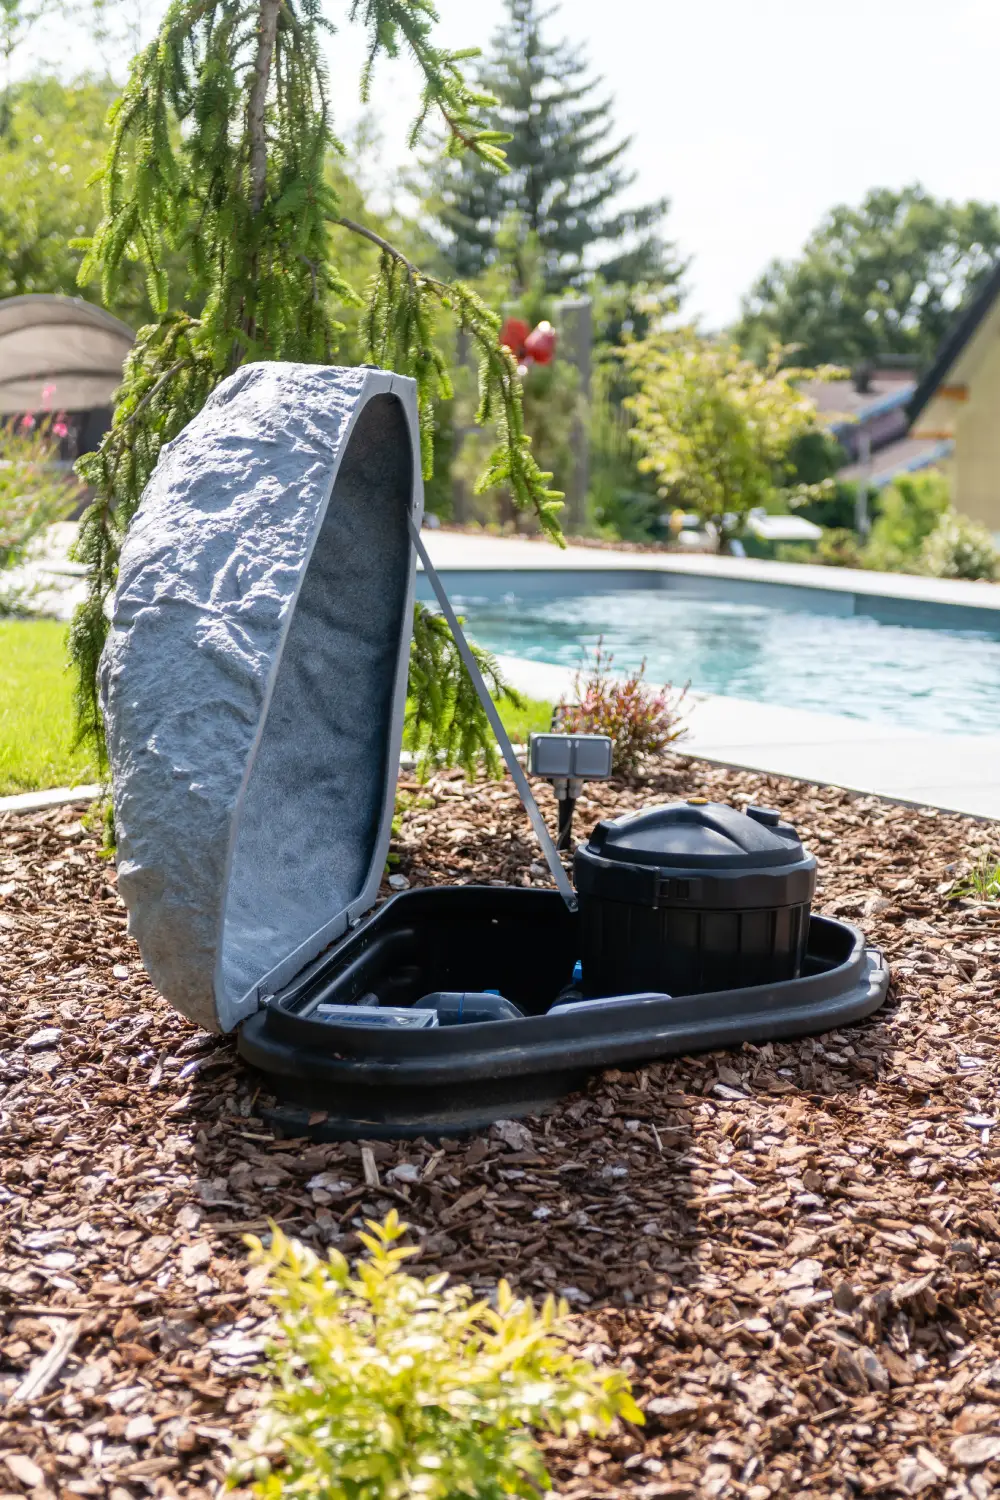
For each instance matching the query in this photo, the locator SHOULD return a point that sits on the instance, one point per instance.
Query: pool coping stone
(955, 772)
(893, 598)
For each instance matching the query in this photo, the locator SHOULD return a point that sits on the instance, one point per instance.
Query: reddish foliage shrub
(641, 720)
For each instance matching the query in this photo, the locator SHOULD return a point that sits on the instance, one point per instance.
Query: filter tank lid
(697, 835)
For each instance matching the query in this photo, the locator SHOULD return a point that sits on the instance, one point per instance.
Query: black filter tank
(692, 897)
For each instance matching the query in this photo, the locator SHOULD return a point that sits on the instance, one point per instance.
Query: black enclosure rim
(314, 1061)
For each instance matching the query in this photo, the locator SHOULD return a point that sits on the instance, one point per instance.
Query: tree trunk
(266, 32)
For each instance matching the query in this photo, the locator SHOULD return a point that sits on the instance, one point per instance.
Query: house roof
(843, 405)
(906, 456)
(955, 342)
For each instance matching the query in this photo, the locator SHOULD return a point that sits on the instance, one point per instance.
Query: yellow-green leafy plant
(386, 1386)
(959, 547)
(715, 430)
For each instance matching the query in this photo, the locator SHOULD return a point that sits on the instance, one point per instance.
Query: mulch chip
(793, 1249)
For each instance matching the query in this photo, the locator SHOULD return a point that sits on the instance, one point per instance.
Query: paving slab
(57, 796)
(953, 771)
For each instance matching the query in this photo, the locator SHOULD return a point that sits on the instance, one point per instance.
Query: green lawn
(535, 717)
(36, 712)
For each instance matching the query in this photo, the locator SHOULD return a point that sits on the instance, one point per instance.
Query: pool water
(939, 681)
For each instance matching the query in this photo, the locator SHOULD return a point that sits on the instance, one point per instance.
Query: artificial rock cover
(254, 679)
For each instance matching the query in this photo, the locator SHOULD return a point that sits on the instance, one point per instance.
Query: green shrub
(816, 455)
(33, 492)
(387, 1387)
(838, 547)
(640, 720)
(960, 548)
(624, 506)
(628, 515)
(835, 508)
(909, 510)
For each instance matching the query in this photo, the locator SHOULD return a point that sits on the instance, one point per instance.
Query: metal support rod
(552, 859)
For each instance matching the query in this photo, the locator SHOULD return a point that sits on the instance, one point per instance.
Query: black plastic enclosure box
(408, 1083)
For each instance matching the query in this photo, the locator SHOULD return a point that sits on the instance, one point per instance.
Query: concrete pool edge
(490, 567)
(957, 773)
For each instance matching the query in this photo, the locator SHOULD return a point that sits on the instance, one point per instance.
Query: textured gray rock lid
(254, 680)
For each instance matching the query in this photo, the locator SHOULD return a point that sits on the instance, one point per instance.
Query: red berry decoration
(541, 344)
(514, 333)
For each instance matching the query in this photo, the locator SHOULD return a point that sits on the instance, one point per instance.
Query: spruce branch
(444, 718)
(446, 89)
(216, 183)
(399, 331)
(385, 246)
(166, 379)
(152, 393)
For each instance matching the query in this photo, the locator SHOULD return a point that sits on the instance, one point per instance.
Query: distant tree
(17, 20)
(54, 142)
(883, 278)
(715, 430)
(567, 173)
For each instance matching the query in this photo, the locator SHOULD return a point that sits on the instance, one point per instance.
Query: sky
(753, 118)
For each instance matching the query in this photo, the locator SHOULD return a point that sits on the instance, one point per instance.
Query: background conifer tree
(216, 183)
(567, 173)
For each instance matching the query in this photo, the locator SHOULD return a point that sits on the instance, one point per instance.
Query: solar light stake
(568, 760)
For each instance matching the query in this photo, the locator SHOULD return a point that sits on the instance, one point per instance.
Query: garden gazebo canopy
(48, 340)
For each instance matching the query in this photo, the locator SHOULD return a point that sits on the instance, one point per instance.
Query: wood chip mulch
(793, 1249)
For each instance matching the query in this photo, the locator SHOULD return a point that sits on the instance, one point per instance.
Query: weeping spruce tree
(216, 183)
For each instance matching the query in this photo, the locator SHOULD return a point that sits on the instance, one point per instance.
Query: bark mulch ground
(793, 1249)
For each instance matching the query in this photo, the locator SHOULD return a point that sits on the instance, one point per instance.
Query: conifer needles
(216, 182)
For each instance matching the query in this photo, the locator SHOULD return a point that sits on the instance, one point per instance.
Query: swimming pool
(939, 681)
